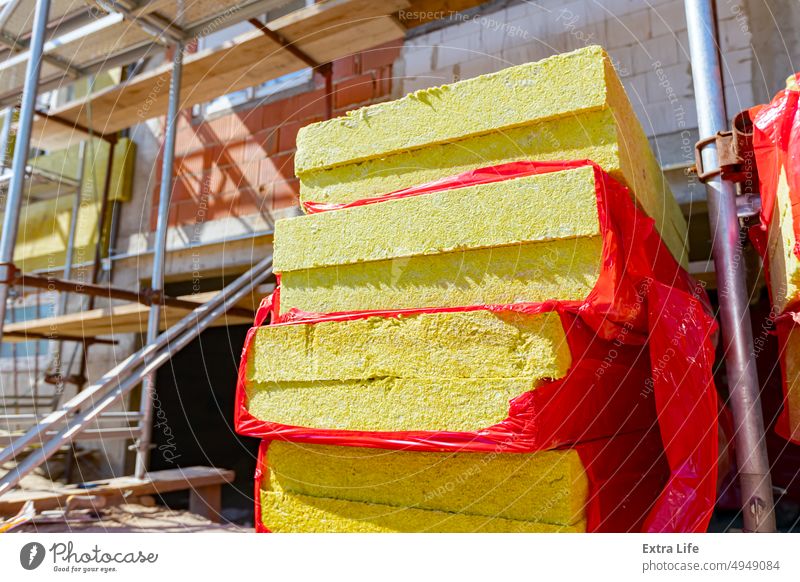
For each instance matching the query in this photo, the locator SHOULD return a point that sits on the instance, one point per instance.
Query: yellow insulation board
(44, 225)
(65, 162)
(387, 404)
(569, 106)
(44, 231)
(473, 344)
(287, 513)
(792, 379)
(784, 274)
(784, 266)
(565, 269)
(547, 486)
(534, 208)
(443, 371)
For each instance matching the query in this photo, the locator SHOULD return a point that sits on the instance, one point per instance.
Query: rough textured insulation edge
(471, 344)
(556, 205)
(548, 486)
(388, 404)
(564, 269)
(286, 513)
(564, 86)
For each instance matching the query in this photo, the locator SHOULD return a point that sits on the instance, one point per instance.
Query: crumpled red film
(776, 144)
(642, 295)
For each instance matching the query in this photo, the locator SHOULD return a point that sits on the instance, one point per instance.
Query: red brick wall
(243, 163)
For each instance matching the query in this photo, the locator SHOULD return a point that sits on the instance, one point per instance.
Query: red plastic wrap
(606, 391)
(633, 253)
(776, 144)
(625, 474)
(260, 475)
(642, 297)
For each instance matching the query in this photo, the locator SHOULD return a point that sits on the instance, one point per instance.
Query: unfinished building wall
(234, 176)
(234, 170)
(648, 43)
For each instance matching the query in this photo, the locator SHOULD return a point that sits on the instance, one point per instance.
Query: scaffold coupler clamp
(8, 273)
(737, 163)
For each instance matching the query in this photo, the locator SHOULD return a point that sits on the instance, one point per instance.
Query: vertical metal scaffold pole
(69, 258)
(8, 237)
(5, 137)
(751, 449)
(159, 253)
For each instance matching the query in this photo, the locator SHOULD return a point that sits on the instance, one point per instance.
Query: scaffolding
(295, 41)
(146, 25)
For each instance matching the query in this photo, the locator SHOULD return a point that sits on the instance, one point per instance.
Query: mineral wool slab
(387, 404)
(287, 513)
(784, 273)
(556, 205)
(784, 266)
(429, 371)
(554, 87)
(569, 106)
(791, 376)
(547, 486)
(564, 269)
(470, 344)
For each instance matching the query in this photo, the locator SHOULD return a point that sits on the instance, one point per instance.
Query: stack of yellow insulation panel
(567, 107)
(523, 240)
(319, 488)
(784, 274)
(527, 239)
(431, 372)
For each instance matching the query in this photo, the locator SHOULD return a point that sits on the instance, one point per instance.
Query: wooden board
(325, 31)
(154, 483)
(124, 318)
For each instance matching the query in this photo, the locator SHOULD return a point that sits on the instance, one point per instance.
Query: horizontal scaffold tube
(195, 322)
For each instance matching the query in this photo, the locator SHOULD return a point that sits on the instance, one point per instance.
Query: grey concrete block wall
(647, 41)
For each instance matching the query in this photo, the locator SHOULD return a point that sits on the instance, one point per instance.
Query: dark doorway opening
(193, 418)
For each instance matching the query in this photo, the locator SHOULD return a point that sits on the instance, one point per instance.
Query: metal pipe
(25, 336)
(159, 257)
(6, 13)
(151, 23)
(751, 450)
(109, 292)
(77, 424)
(109, 416)
(8, 238)
(221, 301)
(73, 226)
(103, 212)
(190, 247)
(5, 138)
(92, 434)
(63, 297)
